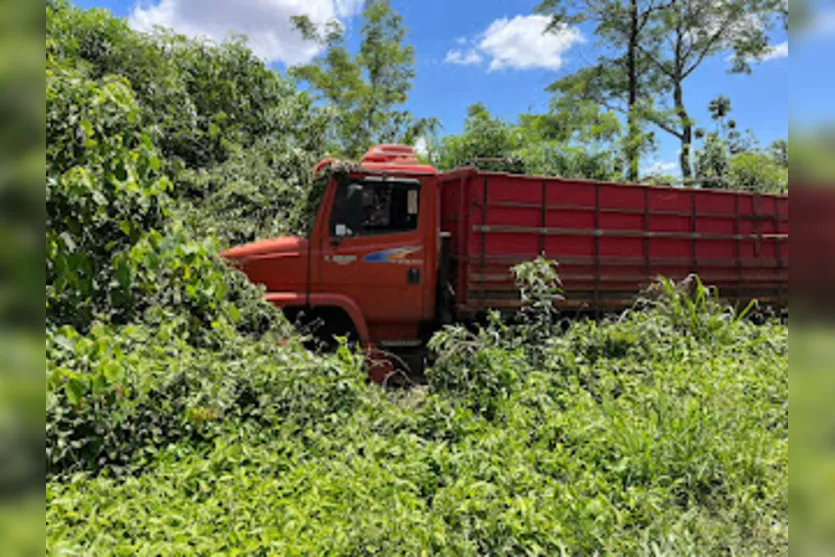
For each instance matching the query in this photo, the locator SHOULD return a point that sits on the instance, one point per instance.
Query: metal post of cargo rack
(778, 246)
(542, 219)
(597, 248)
(756, 203)
(462, 262)
(737, 247)
(693, 263)
(482, 293)
(646, 236)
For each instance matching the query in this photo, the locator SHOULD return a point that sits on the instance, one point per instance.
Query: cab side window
(372, 207)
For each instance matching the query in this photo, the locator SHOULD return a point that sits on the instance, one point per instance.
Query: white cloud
(519, 43)
(777, 51)
(774, 52)
(662, 168)
(266, 23)
(522, 43)
(462, 58)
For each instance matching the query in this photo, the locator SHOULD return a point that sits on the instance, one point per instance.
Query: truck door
(373, 248)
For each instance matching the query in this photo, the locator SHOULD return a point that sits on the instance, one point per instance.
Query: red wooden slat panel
(635, 234)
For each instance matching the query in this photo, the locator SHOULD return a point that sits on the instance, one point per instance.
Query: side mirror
(340, 231)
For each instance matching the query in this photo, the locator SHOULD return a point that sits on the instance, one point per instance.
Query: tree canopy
(652, 47)
(367, 89)
(559, 143)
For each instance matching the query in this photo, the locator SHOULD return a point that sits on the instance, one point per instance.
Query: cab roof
(385, 159)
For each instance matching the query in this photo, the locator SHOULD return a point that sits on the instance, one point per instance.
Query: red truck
(397, 248)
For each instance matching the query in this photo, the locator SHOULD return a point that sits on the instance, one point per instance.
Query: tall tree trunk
(686, 130)
(633, 137)
(686, 136)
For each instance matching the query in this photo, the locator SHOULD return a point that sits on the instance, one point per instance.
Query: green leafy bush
(144, 322)
(758, 172)
(562, 143)
(199, 100)
(103, 193)
(116, 395)
(633, 437)
(259, 192)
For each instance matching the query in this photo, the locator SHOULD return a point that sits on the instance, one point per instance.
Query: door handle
(413, 276)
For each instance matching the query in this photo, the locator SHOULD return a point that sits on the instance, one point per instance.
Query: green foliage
(258, 193)
(115, 395)
(484, 366)
(541, 289)
(104, 190)
(758, 172)
(622, 79)
(730, 160)
(754, 171)
(198, 100)
(693, 307)
(719, 108)
(118, 258)
(484, 136)
(692, 32)
(367, 89)
(480, 368)
(779, 151)
(651, 48)
(568, 143)
(227, 136)
(649, 433)
(713, 161)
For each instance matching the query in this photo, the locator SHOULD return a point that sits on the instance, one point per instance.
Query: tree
(685, 33)
(779, 150)
(569, 144)
(620, 77)
(366, 89)
(200, 100)
(726, 128)
(484, 136)
(713, 160)
(757, 172)
(719, 108)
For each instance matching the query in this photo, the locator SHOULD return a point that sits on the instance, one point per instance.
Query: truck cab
(369, 261)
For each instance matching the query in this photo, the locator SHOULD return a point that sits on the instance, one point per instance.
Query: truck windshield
(371, 207)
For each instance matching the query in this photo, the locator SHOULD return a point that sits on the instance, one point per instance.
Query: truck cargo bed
(610, 240)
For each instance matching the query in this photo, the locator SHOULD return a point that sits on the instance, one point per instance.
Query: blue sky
(491, 36)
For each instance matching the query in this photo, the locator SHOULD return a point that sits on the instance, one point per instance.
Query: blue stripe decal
(390, 255)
